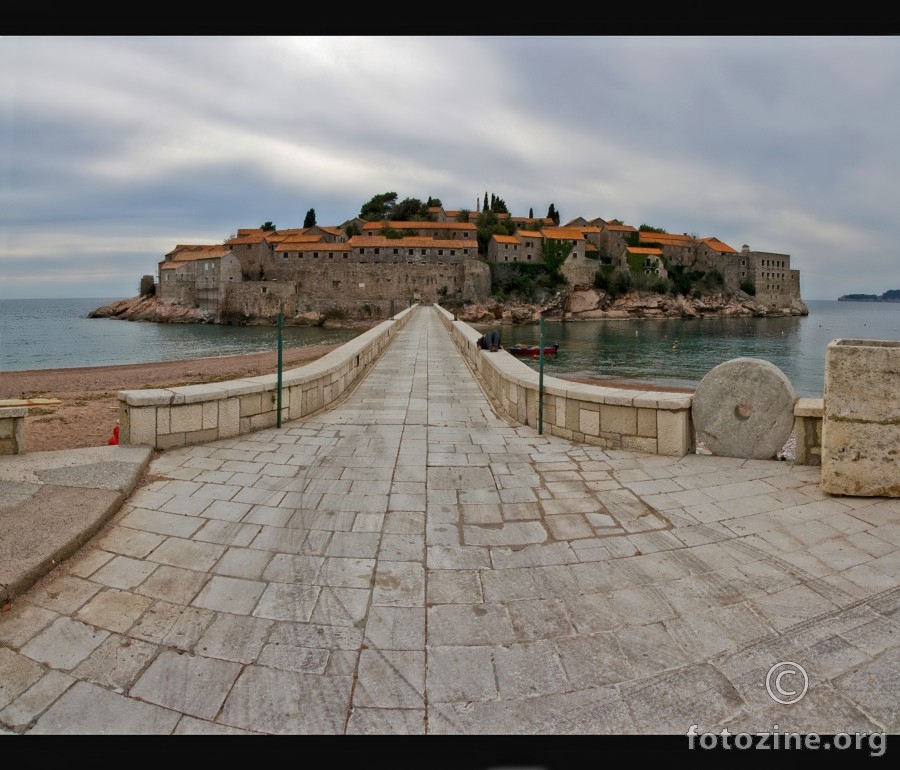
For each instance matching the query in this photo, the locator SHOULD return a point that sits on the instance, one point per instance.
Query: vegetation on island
(530, 282)
(892, 295)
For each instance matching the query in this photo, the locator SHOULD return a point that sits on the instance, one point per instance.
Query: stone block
(210, 414)
(673, 433)
(186, 418)
(229, 418)
(646, 423)
(589, 421)
(141, 426)
(618, 419)
(861, 419)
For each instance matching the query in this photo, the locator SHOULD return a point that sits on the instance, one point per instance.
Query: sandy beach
(89, 408)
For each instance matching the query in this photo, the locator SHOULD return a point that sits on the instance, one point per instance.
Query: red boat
(533, 350)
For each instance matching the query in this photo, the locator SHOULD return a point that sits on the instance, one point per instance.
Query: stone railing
(196, 414)
(644, 421)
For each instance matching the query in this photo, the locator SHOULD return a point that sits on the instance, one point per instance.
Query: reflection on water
(680, 352)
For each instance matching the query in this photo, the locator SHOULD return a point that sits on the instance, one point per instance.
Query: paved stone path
(410, 563)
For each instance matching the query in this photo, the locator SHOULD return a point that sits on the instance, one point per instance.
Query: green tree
(554, 252)
(352, 229)
(531, 213)
(379, 207)
(553, 214)
(267, 226)
(488, 224)
(409, 210)
(310, 219)
(485, 206)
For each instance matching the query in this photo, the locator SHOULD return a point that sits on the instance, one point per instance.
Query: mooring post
(541, 382)
(280, 347)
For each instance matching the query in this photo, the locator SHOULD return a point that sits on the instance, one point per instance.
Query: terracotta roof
(530, 234)
(292, 241)
(419, 225)
(248, 236)
(716, 245)
(191, 253)
(500, 238)
(644, 250)
(362, 241)
(569, 233)
(670, 238)
(619, 228)
(317, 245)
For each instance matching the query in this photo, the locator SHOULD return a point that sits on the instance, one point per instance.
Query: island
(892, 295)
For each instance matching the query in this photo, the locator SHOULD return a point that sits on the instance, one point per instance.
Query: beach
(88, 411)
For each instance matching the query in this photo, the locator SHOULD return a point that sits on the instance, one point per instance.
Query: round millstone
(744, 408)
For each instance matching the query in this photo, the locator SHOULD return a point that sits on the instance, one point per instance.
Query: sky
(115, 149)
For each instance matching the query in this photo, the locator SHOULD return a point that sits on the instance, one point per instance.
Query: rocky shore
(578, 304)
(588, 304)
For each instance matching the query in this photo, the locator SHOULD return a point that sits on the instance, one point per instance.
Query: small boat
(532, 350)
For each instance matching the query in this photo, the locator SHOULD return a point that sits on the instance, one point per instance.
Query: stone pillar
(12, 430)
(861, 420)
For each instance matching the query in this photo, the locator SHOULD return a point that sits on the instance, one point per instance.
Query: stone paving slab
(409, 563)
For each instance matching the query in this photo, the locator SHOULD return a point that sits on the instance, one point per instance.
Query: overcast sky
(115, 149)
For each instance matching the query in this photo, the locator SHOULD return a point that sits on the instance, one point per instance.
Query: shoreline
(89, 408)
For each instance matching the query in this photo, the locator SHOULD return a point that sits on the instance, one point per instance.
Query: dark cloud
(114, 149)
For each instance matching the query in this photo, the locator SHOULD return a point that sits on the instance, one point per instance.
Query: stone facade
(324, 270)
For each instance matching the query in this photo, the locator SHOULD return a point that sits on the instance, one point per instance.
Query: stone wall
(355, 291)
(164, 418)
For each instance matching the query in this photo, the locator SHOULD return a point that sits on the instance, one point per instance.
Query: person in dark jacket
(490, 341)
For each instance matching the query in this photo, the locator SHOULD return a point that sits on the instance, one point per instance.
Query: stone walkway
(410, 563)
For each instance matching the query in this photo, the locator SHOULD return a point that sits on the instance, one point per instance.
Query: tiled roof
(673, 239)
(292, 241)
(419, 225)
(619, 228)
(318, 245)
(191, 253)
(363, 241)
(248, 236)
(501, 238)
(716, 245)
(559, 233)
(644, 250)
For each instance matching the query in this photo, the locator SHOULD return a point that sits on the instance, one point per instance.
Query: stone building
(257, 273)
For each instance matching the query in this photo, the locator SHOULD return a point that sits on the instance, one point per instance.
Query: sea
(57, 333)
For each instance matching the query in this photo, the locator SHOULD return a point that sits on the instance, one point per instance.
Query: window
(452, 252)
(315, 255)
(440, 252)
(422, 252)
(396, 251)
(377, 250)
(330, 255)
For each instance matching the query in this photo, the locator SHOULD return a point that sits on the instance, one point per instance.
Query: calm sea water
(56, 333)
(644, 350)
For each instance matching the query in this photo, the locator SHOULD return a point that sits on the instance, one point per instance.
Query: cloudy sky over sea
(114, 149)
